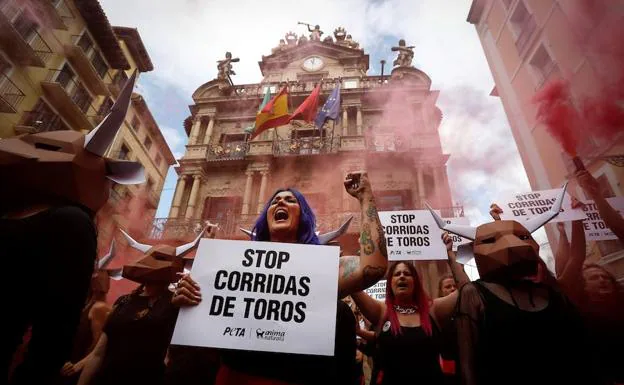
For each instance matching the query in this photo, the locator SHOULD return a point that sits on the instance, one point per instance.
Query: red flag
(307, 109)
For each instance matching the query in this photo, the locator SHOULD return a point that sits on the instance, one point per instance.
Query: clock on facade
(313, 63)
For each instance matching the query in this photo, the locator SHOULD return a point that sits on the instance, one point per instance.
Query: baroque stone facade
(388, 126)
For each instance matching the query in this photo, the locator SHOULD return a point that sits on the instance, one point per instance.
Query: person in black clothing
(134, 342)
(288, 218)
(408, 324)
(513, 325)
(53, 185)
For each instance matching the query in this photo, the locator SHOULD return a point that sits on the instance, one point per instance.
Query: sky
(185, 38)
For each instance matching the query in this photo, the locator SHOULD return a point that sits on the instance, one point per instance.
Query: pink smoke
(600, 110)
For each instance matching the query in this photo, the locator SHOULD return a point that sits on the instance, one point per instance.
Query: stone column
(195, 130)
(421, 186)
(247, 195)
(358, 120)
(345, 122)
(209, 129)
(263, 187)
(190, 209)
(177, 197)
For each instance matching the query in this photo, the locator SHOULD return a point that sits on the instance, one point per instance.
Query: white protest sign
(522, 207)
(458, 240)
(264, 296)
(412, 235)
(377, 291)
(595, 228)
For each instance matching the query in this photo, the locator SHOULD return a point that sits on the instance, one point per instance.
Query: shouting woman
(288, 218)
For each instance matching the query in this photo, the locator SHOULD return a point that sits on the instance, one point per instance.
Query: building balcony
(306, 146)
(228, 151)
(21, 41)
(71, 100)
(85, 62)
(10, 95)
(51, 12)
(118, 82)
(39, 121)
(230, 225)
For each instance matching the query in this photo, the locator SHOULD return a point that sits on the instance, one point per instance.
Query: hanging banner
(522, 207)
(264, 296)
(377, 291)
(412, 235)
(595, 228)
(458, 240)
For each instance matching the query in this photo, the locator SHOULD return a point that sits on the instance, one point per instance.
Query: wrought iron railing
(63, 10)
(230, 224)
(75, 90)
(306, 146)
(387, 143)
(10, 9)
(528, 28)
(228, 151)
(36, 42)
(10, 92)
(42, 121)
(366, 82)
(94, 55)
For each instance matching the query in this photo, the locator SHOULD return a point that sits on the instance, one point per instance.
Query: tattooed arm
(359, 273)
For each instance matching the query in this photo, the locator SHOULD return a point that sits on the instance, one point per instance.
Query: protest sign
(458, 240)
(377, 291)
(412, 235)
(264, 296)
(522, 207)
(595, 228)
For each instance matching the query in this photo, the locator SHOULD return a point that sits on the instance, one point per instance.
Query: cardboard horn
(125, 171)
(115, 274)
(469, 232)
(328, 237)
(187, 246)
(105, 260)
(248, 232)
(132, 243)
(539, 221)
(464, 253)
(99, 139)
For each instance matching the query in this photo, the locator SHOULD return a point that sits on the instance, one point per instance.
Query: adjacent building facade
(62, 66)
(530, 42)
(388, 126)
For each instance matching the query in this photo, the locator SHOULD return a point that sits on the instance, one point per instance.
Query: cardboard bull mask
(502, 244)
(100, 281)
(68, 166)
(325, 238)
(160, 263)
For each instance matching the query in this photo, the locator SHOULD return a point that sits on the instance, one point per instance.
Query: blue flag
(331, 108)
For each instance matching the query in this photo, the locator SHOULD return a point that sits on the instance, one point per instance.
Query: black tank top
(411, 357)
(523, 347)
(300, 368)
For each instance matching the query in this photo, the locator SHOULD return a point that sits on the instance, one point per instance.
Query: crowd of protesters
(520, 324)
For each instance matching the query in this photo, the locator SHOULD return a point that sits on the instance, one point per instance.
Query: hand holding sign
(588, 183)
(357, 184)
(187, 292)
(448, 241)
(495, 212)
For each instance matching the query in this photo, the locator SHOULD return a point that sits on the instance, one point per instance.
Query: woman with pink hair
(408, 324)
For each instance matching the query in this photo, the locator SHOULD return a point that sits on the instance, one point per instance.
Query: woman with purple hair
(288, 218)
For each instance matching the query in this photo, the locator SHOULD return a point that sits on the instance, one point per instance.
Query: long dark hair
(307, 221)
(419, 296)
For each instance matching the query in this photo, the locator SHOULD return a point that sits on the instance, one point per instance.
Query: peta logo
(270, 335)
(235, 332)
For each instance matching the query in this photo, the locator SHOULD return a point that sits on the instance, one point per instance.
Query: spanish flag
(274, 114)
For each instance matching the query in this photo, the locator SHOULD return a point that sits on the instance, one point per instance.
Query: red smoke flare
(556, 111)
